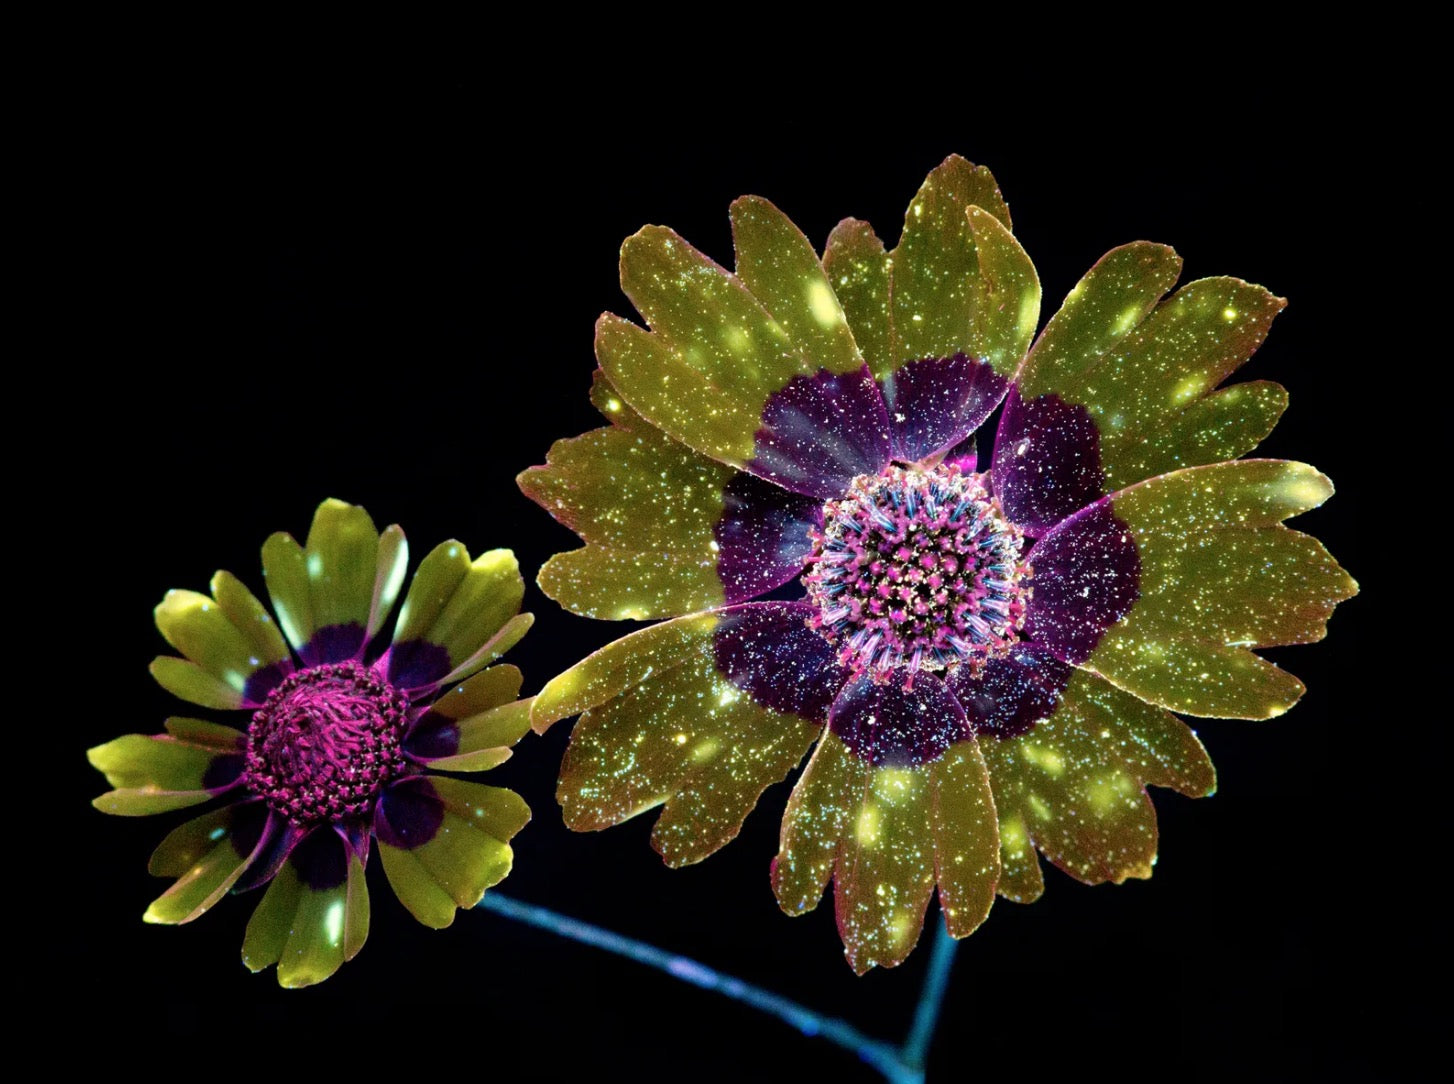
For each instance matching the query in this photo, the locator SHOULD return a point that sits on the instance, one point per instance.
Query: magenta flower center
(917, 569)
(326, 742)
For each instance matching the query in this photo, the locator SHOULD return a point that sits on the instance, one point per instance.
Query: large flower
(987, 659)
(342, 745)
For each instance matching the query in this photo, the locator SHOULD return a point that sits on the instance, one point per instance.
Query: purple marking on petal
(282, 835)
(891, 728)
(249, 819)
(409, 814)
(223, 771)
(1087, 577)
(820, 432)
(1013, 692)
(334, 643)
(433, 736)
(762, 536)
(417, 664)
(321, 860)
(934, 403)
(767, 650)
(1047, 461)
(264, 681)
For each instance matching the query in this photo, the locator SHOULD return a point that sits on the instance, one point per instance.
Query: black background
(385, 292)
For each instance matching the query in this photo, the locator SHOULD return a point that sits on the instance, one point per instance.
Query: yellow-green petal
(206, 856)
(334, 593)
(778, 266)
(887, 835)
(1219, 576)
(664, 726)
(459, 615)
(1074, 787)
(466, 851)
(157, 773)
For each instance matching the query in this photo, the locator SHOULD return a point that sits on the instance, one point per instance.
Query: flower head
(343, 744)
(983, 657)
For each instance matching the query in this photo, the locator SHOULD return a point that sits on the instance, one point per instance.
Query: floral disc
(916, 568)
(326, 742)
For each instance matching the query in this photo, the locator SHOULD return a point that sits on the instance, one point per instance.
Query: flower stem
(915, 1050)
(900, 1065)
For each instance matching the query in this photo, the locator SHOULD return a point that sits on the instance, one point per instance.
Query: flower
(984, 657)
(343, 744)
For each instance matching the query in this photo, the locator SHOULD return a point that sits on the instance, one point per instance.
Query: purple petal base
(934, 403)
(249, 820)
(1047, 461)
(415, 665)
(279, 836)
(1013, 693)
(321, 861)
(223, 772)
(762, 536)
(433, 736)
(263, 681)
(767, 650)
(888, 727)
(334, 643)
(820, 432)
(1087, 577)
(409, 814)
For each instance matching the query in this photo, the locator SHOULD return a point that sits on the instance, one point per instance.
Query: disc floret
(326, 742)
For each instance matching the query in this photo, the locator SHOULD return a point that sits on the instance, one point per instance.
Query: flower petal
(1008, 308)
(229, 637)
(885, 724)
(157, 773)
(819, 432)
(700, 714)
(444, 841)
(279, 838)
(886, 834)
(858, 270)
(1074, 787)
(937, 402)
(966, 837)
(314, 915)
(668, 530)
(884, 867)
(762, 536)
(1013, 692)
(1218, 575)
(1119, 388)
(936, 293)
(473, 727)
(778, 265)
(334, 594)
(191, 683)
(460, 615)
(751, 380)
(944, 319)
(1087, 577)
(206, 856)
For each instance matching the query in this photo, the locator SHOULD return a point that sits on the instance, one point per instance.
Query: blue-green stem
(902, 1064)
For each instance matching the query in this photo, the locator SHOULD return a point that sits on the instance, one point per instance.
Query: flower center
(917, 569)
(325, 742)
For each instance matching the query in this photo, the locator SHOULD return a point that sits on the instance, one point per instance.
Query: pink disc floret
(326, 742)
(916, 568)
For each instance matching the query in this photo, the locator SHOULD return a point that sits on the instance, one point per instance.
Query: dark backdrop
(386, 293)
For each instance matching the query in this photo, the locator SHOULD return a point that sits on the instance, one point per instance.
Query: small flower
(343, 744)
(984, 657)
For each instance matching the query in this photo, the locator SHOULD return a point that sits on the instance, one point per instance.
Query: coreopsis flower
(983, 658)
(343, 744)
